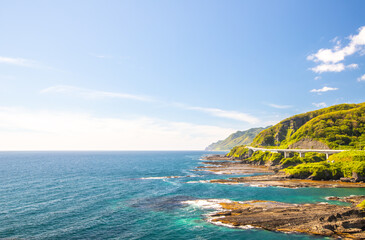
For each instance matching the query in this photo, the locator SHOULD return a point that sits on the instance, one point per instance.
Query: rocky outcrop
(232, 167)
(218, 157)
(292, 125)
(316, 219)
(307, 143)
(282, 180)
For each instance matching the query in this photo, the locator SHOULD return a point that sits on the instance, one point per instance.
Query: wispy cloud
(95, 94)
(24, 129)
(324, 89)
(279, 106)
(239, 116)
(88, 93)
(317, 78)
(329, 59)
(101, 56)
(320, 104)
(361, 79)
(19, 62)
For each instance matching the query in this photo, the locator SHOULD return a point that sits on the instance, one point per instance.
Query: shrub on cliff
(314, 157)
(260, 156)
(320, 170)
(286, 162)
(348, 156)
(349, 164)
(238, 152)
(361, 205)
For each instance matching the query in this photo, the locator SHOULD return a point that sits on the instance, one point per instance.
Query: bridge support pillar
(327, 155)
(286, 155)
(301, 154)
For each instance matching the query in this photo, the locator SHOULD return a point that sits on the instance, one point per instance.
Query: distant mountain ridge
(236, 139)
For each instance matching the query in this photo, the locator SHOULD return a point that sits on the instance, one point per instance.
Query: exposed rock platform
(281, 180)
(230, 167)
(316, 219)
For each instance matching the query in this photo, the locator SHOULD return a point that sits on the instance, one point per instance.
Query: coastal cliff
(336, 127)
(236, 139)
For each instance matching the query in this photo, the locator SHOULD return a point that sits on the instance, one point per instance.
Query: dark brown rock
(318, 219)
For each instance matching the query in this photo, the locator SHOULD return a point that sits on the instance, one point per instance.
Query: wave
(165, 177)
(207, 203)
(210, 220)
(200, 181)
(214, 204)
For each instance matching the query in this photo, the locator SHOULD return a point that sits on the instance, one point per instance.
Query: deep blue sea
(123, 195)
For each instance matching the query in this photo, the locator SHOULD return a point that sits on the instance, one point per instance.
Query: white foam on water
(231, 183)
(247, 227)
(328, 198)
(218, 173)
(200, 181)
(166, 177)
(215, 204)
(207, 203)
(218, 223)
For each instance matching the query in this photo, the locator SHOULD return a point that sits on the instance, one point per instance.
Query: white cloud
(352, 66)
(94, 94)
(339, 67)
(324, 89)
(320, 105)
(279, 106)
(244, 117)
(362, 78)
(22, 129)
(88, 93)
(333, 57)
(317, 78)
(18, 61)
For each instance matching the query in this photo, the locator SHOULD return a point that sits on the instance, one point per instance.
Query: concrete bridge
(286, 152)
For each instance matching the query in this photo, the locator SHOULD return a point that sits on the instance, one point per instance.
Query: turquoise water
(105, 195)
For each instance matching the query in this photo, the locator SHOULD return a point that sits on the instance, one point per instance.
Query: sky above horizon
(170, 75)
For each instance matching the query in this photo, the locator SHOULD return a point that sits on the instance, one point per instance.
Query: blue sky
(173, 75)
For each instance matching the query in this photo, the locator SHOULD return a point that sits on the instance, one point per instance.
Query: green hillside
(336, 127)
(235, 139)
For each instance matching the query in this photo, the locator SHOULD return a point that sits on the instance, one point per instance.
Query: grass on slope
(340, 127)
(339, 165)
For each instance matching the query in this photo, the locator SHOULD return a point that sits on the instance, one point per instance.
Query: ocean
(125, 195)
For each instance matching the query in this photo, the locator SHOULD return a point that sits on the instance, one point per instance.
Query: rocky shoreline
(280, 180)
(315, 219)
(227, 165)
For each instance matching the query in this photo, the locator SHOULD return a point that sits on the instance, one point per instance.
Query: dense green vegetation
(261, 157)
(235, 139)
(339, 127)
(238, 152)
(347, 164)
